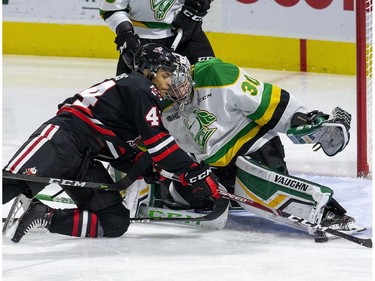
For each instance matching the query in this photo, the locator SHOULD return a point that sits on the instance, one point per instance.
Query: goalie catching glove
(204, 184)
(332, 135)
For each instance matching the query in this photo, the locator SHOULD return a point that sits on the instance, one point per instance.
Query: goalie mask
(182, 83)
(153, 56)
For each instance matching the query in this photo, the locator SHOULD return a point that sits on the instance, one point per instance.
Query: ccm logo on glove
(200, 176)
(191, 15)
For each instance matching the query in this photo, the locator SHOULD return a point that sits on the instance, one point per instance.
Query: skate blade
(11, 229)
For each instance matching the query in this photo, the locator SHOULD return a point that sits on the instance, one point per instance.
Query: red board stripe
(303, 55)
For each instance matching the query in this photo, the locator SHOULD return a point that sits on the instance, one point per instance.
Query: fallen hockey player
(102, 122)
(231, 121)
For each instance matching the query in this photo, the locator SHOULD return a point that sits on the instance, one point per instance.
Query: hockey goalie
(231, 121)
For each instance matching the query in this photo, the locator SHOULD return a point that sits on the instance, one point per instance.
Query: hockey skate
(21, 201)
(341, 222)
(37, 215)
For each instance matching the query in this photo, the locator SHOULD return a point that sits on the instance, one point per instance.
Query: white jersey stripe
(161, 145)
(31, 148)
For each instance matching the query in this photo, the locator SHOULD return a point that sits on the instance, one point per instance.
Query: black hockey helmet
(153, 56)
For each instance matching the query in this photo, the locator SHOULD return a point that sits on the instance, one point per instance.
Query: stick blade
(366, 242)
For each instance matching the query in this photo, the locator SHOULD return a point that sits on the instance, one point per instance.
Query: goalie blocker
(280, 192)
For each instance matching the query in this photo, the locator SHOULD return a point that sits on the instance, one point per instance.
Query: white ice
(248, 248)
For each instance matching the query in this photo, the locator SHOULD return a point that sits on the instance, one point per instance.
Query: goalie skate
(341, 222)
(21, 201)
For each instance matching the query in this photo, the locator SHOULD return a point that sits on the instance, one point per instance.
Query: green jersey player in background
(137, 22)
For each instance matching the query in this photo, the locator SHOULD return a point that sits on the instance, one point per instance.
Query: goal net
(364, 39)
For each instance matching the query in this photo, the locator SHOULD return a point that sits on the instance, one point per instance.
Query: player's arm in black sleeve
(166, 153)
(164, 150)
(161, 146)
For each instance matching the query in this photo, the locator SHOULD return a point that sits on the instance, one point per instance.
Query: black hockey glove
(128, 44)
(203, 182)
(199, 5)
(190, 17)
(151, 175)
(126, 162)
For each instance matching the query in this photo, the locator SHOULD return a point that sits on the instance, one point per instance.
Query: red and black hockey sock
(75, 222)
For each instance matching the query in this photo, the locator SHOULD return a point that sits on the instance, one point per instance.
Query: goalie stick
(298, 220)
(295, 219)
(219, 209)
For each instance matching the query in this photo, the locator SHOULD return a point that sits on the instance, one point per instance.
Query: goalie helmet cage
(364, 86)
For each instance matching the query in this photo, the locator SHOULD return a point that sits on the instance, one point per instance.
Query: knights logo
(158, 50)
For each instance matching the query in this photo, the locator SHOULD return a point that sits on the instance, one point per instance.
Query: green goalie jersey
(230, 113)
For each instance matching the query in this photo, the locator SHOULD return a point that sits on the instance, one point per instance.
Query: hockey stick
(138, 169)
(297, 220)
(65, 182)
(45, 197)
(177, 39)
(219, 208)
(301, 221)
(221, 205)
(141, 165)
(172, 216)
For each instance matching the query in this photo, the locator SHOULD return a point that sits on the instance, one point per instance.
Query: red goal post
(364, 20)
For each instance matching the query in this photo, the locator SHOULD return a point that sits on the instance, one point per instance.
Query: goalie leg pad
(276, 191)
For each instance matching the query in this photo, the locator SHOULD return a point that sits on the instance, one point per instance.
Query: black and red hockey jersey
(121, 111)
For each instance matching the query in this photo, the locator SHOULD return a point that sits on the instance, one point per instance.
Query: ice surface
(248, 248)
